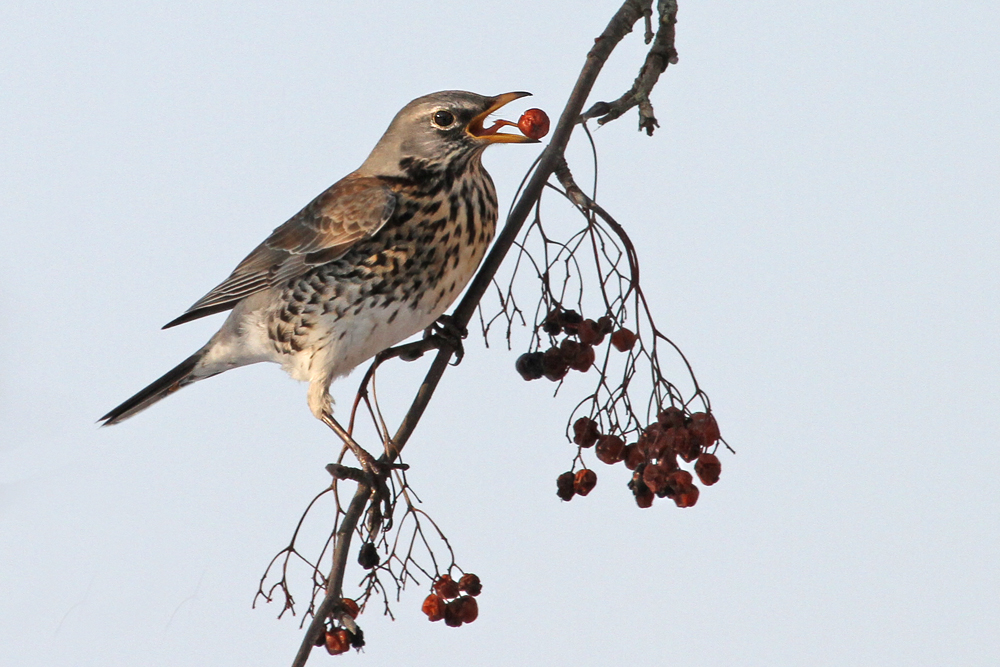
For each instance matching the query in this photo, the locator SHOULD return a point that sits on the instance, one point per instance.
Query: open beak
(492, 135)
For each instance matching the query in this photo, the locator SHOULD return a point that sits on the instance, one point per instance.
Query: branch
(661, 54)
(618, 27)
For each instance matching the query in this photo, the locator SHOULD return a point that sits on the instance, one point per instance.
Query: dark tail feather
(180, 376)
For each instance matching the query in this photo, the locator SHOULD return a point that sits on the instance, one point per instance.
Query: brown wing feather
(352, 209)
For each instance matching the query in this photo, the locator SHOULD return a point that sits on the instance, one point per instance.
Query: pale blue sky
(817, 222)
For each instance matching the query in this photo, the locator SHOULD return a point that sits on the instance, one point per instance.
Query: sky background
(817, 225)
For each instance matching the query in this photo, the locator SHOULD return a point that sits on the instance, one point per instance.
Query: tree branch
(618, 27)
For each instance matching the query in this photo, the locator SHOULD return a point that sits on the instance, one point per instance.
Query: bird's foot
(448, 334)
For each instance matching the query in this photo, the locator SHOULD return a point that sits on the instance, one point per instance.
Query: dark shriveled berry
(469, 583)
(585, 432)
(704, 426)
(671, 417)
(610, 449)
(368, 556)
(590, 333)
(571, 321)
(564, 486)
(554, 364)
(446, 587)
(530, 365)
(633, 456)
(605, 325)
(708, 468)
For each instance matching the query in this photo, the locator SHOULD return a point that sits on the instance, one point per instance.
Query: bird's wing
(352, 209)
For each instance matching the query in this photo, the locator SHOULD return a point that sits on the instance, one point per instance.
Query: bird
(377, 257)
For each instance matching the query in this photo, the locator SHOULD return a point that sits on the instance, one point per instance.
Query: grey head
(437, 129)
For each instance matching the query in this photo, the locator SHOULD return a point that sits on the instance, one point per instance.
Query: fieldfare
(374, 259)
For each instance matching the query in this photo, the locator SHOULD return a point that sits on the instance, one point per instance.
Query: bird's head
(439, 128)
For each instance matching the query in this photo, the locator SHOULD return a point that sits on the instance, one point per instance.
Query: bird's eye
(443, 118)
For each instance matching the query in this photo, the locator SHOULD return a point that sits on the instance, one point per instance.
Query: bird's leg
(373, 471)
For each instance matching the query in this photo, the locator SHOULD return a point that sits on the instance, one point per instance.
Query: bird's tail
(180, 376)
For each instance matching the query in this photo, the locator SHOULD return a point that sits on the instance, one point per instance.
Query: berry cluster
(340, 640)
(448, 603)
(653, 458)
(555, 362)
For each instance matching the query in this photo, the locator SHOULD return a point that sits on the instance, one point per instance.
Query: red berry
(469, 583)
(590, 333)
(633, 456)
(337, 642)
(671, 417)
(610, 449)
(623, 340)
(708, 467)
(564, 486)
(655, 477)
(584, 482)
(350, 606)
(434, 606)
(446, 587)
(644, 498)
(605, 325)
(687, 496)
(466, 609)
(534, 123)
(703, 424)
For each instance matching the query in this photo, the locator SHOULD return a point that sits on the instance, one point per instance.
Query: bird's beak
(491, 135)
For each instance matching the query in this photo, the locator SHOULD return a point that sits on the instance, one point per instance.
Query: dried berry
(564, 486)
(554, 365)
(652, 442)
(610, 449)
(585, 432)
(708, 467)
(584, 482)
(584, 359)
(368, 556)
(350, 606)
(605, 325)
(590, 333)
(552, 324)
(530, 365)
(623, 340)
(469, 583)
(655, 477)
(684, 443)
(687, 496)
(704, 426)
(446, 587)
(633, 456)
(570, 350)
(337, 642)
(570, 321)
(534, 123)
(671, 417)
(434, 606)
(465, 608)
(644, 497)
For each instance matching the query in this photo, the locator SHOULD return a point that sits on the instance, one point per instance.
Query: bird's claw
(448, 334)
